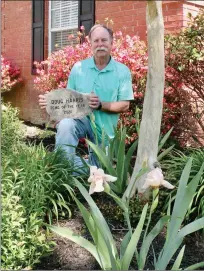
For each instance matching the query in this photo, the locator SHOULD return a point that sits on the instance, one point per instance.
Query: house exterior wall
(16, 38)
(130, 16)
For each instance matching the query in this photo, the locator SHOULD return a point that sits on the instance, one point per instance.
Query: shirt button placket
(96, 83)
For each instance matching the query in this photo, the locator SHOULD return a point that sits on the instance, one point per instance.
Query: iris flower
(98, 179)
(155, 179)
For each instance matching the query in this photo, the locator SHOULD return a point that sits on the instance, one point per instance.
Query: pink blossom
(10, 75)
(70, 37)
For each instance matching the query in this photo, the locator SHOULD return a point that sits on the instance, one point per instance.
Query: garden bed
(70, 256)
(66, 254)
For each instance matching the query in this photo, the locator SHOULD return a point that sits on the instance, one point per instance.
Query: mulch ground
(69, 256)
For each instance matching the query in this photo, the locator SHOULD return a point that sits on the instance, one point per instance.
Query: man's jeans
(69, 131)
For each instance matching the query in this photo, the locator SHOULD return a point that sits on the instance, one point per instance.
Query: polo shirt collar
(109, 67)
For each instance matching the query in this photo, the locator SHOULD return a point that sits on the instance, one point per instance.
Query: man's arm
(111, 107)
(115, 107)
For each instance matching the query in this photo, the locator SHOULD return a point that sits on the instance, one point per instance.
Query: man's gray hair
(101, 25)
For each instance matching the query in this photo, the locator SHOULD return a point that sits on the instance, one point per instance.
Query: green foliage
(113, 212)
(103, 246)
(173, 166)
(23, 240)
(176, 234)
(118, 162)
(115, 160)
(33, 190)
(11, 130)
(40, 176)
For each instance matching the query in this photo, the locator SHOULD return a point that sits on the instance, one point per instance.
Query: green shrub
(11, 130)
(40, 176)
(174, 165)
(23, 240)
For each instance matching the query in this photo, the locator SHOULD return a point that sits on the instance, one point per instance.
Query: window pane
(64, 20)
(55, 19)
(64, 14)
(60, 39)
(69, 18)
(55, 4)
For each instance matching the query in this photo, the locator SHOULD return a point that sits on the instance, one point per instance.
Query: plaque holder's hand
(42, 100)
(94, 101)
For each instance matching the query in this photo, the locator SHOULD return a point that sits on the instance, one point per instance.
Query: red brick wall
(130, 16)
(16, 43)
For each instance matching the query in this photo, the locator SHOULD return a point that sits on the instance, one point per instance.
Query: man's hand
(94, 101)
(42, 100)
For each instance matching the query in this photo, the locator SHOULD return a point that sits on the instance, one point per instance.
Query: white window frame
(50, 30)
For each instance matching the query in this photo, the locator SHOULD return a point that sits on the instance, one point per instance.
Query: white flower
(98, 179)
(3, 107)
(155, 179)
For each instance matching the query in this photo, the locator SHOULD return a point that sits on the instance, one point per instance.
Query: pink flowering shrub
(10, 75)
(53, 73)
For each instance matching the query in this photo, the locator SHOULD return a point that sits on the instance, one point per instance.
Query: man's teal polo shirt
(111, 84)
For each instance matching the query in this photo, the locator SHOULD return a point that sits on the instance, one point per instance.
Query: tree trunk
(153, 101)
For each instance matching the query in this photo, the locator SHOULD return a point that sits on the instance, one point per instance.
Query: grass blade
(101, 224)
(175, 239)
(192, 227)
(164, 139)
(103, 158)
(176, 220)
(128, 158)
(148, 240)
(133, 241)
(195, 266)
(178, 259)
(120, 163)
(124, 244)
(164, 153)
(67, 233)
(100, 244)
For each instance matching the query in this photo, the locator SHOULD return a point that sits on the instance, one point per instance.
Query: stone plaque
(67, 103)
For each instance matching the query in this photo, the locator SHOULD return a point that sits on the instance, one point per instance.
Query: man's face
(101, 42)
